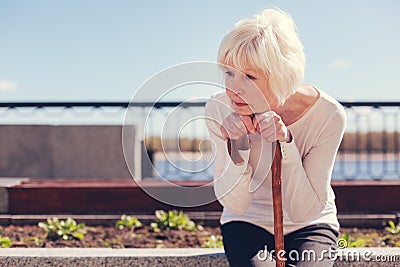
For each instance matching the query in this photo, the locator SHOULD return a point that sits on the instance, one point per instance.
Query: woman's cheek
(258, 101)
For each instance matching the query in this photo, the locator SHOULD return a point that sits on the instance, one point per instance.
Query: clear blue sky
(104, 50)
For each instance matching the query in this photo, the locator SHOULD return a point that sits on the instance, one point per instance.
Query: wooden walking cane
(276, 169)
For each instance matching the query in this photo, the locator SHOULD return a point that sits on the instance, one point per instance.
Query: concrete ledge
(112, 257)
(169, 257)
(366, 220)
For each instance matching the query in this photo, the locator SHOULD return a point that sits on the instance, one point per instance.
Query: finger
(236, 135)
(269, 114)
(248, 123)
(224, 132)
(229, 130)
(232, 131)
(266, 124)
(267, 132)
(239, 125)
(265, 116)
(259, 122)
(271, 137)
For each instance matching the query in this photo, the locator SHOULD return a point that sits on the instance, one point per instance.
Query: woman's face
(248, 90)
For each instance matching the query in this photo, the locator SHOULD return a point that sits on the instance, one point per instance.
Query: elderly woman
(265, 53)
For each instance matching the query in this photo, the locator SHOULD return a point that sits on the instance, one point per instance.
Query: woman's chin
(244, 112)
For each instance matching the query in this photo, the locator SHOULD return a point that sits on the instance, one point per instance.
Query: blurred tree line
(386, 142)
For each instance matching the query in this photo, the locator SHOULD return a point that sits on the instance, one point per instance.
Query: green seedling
(173, 220)
(5, 242)
(128, 222)
(393, 228)
(350, 241)
(66, 230)
(213, 242)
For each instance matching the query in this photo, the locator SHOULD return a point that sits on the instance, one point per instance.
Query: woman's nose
(236, 88)
(236, 92)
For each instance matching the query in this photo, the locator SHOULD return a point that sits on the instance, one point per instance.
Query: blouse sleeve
(306, 182)
(231, 182)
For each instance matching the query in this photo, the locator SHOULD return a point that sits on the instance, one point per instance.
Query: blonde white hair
(269, 43)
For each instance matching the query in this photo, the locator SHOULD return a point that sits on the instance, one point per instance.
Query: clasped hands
(269, 125)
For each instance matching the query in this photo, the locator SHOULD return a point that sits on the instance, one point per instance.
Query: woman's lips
(240, 104)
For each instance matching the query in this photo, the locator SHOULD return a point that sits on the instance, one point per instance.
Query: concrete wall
(67, 151)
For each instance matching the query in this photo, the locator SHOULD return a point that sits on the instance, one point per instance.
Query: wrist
(288, 138)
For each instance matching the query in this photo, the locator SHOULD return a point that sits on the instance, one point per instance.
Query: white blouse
(245, 191)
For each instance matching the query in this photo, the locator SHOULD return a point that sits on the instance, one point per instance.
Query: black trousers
(247, 244)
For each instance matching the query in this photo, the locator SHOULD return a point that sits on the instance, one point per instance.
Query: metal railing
(370, 148)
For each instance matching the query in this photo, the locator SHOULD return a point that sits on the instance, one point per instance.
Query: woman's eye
(250, 77)
(228, 73)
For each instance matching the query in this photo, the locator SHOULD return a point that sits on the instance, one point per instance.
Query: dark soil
(144, 237)
(110, 237)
